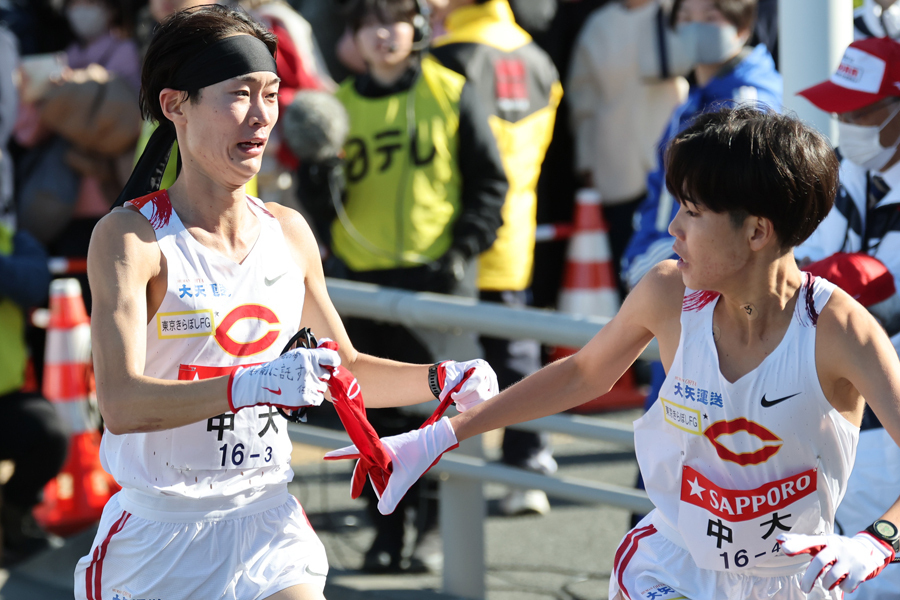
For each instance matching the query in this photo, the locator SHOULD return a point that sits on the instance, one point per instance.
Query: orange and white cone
(75, 498)
(589, 288)
(589, 284)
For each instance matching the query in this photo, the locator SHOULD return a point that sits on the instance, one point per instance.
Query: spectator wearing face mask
(707, 40)
(32, 434)
(618, 112)
(864, 225)
(99, 40)
(80, 133)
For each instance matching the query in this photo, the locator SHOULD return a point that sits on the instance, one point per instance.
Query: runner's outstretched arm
(652, 309)
(384, 382)
(594, 369)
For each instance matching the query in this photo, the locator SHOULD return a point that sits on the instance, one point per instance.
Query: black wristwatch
(433, 381)
(886, 532)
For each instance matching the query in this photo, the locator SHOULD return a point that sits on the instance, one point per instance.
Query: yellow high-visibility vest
(403, 191)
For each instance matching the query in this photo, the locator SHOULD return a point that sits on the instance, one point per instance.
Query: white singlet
(204, 511)
(216, 314)
(730, 466)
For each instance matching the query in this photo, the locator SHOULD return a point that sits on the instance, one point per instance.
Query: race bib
(730, 530)
(254, 437)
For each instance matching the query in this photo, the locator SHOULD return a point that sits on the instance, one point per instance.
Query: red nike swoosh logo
(277, 393)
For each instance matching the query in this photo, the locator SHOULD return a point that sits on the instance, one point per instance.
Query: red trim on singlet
(99, 555)
(697, 300)
(810, 300)
(629, 546)
(162, 208)
(260, 205)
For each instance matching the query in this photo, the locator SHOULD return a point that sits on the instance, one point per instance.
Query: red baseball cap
(860, 275)
(869, 71)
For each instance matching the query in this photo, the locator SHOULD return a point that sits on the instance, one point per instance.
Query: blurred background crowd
(423, 140)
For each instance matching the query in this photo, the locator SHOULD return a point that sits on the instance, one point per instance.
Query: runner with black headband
(193, 286)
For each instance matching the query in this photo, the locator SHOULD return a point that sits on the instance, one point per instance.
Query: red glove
(373, 461)
(348, 402)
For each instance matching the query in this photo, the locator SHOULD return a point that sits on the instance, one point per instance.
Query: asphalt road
(566, 555)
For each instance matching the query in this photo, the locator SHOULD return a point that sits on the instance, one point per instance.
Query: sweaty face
(711, 250)
(384, 44)
(225, 130)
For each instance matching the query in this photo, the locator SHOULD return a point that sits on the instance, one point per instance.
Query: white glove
(837, 559)
(479, 382)
(412, 454)
(294, 379)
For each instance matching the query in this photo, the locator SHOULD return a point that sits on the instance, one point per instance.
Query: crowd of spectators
(486, 145)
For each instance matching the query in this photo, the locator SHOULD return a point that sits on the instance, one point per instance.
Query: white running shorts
(648, 566)
(243, 558)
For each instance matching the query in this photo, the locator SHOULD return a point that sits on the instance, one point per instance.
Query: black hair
(386, 11)
(740, 13)
(750, 160)
(182, 35)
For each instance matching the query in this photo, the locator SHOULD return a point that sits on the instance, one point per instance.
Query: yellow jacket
(519, 84)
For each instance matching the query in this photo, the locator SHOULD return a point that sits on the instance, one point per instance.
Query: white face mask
(861, 144)
(715, 43)
(88, 22)
(692, 44)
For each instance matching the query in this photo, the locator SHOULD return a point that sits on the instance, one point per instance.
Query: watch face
(886, 529)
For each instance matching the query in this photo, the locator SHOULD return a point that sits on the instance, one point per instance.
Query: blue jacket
(753, 79)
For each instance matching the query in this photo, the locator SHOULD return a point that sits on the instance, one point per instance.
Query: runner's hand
(468, 383)
(838, 560)
(294, 379)
(412, 454)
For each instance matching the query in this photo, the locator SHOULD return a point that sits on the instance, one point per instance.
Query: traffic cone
(589, 288)
(589, 284)
(74, 499)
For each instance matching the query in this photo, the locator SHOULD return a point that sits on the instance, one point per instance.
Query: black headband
(230, 57)
(222, 60)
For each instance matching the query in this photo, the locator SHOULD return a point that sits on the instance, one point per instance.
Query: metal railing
(454, 313)
(461, 497)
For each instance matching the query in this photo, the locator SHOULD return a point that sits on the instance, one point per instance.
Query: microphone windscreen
(315, 126)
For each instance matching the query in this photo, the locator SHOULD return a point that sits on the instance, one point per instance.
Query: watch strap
(894, 541)
(433, 381)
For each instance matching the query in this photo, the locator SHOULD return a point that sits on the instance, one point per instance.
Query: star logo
(696, 488)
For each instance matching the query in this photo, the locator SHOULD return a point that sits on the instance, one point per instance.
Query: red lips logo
(719, 428)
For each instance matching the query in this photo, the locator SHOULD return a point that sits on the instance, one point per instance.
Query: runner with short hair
(196, 290)
(755, 431)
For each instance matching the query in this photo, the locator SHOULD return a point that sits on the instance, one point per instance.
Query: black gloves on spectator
(320, 185)
(447, 272)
